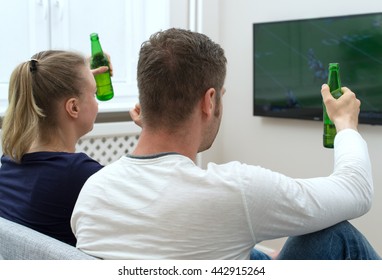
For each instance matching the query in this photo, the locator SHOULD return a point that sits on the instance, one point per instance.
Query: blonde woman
(51, 105)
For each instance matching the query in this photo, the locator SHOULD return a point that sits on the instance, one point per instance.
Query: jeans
(339, 242)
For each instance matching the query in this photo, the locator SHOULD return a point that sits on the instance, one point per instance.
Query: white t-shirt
(166, 207)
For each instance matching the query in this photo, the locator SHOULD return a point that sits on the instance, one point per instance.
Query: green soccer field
(291, 60)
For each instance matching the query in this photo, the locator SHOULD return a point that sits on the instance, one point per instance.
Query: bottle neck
(334, 80)
(96, 47)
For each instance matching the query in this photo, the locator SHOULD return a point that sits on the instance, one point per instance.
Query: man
(157, 204)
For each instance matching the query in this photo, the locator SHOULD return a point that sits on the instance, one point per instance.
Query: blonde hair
(35, 88)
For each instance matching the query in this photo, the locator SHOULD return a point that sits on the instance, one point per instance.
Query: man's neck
(156, 142)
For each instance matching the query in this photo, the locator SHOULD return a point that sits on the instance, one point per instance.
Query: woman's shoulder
(79, 161)
(82, 160)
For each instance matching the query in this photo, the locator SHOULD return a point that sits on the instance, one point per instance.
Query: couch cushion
(18, 242)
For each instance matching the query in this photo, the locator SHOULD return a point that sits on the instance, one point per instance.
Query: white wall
(292, 147)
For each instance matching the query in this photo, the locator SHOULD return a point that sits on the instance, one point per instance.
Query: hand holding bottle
(103, 69)
(343, 111)
(98, 59)
(334, 83)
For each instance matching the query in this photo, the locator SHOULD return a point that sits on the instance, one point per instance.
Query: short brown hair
(175, 68)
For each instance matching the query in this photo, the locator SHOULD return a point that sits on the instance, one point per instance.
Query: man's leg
(258, 255)
(339, 242)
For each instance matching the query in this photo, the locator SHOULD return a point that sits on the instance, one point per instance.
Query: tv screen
(291, 60)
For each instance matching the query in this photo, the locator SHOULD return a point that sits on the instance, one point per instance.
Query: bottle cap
(334, 65)
(94, 36)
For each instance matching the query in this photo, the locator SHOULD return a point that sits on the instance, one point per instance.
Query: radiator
(107, 142)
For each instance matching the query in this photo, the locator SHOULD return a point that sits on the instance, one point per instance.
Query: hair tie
(33, 65)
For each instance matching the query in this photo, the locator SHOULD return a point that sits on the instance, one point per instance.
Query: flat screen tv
(291, 61)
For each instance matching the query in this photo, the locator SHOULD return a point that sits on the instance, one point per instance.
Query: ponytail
(20, 122)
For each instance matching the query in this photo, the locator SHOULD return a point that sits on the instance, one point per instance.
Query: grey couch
(18, 242)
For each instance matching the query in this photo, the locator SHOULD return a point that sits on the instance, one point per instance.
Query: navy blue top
(40, 192)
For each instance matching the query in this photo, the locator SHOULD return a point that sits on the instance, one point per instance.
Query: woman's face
(87, 102)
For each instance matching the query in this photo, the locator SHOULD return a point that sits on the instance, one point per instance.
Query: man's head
(176, 68)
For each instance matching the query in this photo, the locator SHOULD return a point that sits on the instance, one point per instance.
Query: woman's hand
(103, 69)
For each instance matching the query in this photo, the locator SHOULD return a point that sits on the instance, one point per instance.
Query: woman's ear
(72, 107)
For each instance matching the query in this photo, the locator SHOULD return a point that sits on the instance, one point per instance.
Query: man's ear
(208, 102)
(72, 108)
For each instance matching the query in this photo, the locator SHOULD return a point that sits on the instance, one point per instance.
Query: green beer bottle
(104, 86)
(334, 83)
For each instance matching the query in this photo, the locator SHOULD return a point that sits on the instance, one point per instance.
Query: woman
(51, 105)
